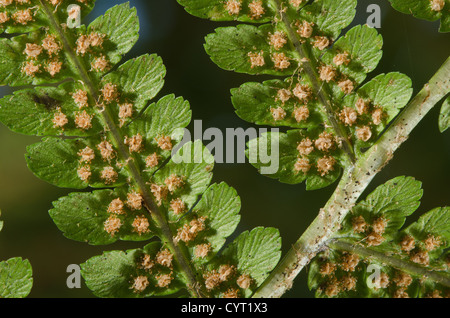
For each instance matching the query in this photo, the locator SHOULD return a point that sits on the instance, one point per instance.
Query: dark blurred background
(411, 46)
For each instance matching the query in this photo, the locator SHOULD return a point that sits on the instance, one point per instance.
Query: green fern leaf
(100, 131)
(118, 274)
(444, 116)
(218, 10)
(16, 276)
(374, 255)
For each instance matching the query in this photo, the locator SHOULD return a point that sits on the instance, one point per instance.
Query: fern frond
(332, 116)
(406, 261)
(100, 132)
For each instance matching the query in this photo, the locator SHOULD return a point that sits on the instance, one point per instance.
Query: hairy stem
(321, 90)
(353, 182)
(117, 138)
(393, 261)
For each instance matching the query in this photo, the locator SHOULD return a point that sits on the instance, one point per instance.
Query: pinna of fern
(375, 255)
(329, 112)
(332, 116)
(100, 132)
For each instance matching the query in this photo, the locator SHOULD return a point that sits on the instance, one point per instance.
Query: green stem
(353, 182)
(180, 253)
(393, 261)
